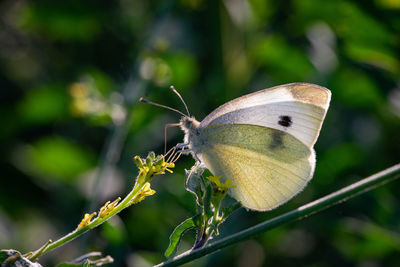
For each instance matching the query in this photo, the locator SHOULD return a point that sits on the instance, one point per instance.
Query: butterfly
(262, 141)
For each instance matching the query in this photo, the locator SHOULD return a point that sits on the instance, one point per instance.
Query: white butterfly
(262, 141)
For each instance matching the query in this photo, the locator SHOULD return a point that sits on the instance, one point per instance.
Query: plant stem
(126, 202)
(311, 208)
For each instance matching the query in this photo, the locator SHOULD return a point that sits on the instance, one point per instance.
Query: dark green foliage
(71, 73)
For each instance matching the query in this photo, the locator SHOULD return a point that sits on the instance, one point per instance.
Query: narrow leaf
(178, 233)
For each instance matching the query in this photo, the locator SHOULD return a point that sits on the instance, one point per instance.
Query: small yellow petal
(146, 191)
(86, 220)
(108, 207)
(221, 187)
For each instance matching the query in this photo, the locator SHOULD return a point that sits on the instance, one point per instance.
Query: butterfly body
(262, 141)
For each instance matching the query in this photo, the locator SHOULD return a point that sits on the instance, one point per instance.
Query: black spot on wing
(276, 141)
(285, 121)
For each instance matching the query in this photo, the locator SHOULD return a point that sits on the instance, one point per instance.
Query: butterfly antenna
(180, 97)
(143, 100)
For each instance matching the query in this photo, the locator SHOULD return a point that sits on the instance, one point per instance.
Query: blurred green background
(71, 73)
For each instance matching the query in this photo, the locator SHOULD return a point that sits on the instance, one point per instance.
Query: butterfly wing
(264, 142)
(297, 108)
(267, 166)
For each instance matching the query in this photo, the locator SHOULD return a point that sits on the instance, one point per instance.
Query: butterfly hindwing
(267, 166)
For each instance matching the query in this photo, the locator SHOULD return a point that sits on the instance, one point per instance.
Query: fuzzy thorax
(190, 127)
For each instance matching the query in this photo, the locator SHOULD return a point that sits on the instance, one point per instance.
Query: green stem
(311, 208)
(126, 202)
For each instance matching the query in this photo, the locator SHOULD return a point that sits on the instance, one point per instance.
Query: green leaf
(178, 232)
(68, 21)
(114, 230)
(184, 70)
(375, 55)
(357, 89)
(282, 59)
(45, 104)
(54, 158)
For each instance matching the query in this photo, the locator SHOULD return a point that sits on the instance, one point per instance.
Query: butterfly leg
(179, 145)
(195, 170)
(183, 148)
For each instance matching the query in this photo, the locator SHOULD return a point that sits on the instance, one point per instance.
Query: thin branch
(96, 222)
(311, 208)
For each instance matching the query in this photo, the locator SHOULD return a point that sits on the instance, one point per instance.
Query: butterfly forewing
(297, 109)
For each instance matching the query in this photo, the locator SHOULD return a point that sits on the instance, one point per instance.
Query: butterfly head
(189, 126)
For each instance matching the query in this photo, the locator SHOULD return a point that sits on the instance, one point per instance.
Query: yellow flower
(152, 166)
(144, 192)
(108, 207)
(86, 220)
(221, 187)
(162, 167)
